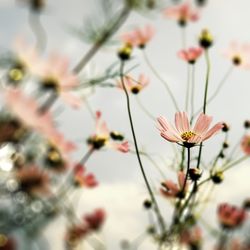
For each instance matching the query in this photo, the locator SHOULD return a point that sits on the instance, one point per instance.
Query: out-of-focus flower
(134, 86)
(7, 243)
(56, 77)
(190, 55)
(82, 179)
(239, 54)
(191, 237)
(172, 190)
(182, 131)
(75, 234)
(26, 110)
(102, 137)
(231, 217)
(182, 13)
(35, 5)
(33, 180)
(95, 219)
(205, 39)
(25, 61)
(139, 37)
(245, 144)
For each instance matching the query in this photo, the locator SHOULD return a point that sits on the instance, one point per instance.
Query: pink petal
(202, 124)
(182, 122)
(71, 99)
(213, 130)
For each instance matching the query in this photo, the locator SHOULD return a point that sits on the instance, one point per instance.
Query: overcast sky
(122, 189)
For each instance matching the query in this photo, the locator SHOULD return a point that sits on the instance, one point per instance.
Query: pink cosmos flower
(239, 54)
(139, 37)
(102, 137)
(245, 144)
(134, 86)
(190, 55)
(231, 217)
(182, 13)
(26, 110)
(82, 179)
(171, 190)
(182, 131)
(55, 76)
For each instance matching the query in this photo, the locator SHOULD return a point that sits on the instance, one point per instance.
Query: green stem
(187, 88)
(192, 91)
(156, 207)
(188, 167)
(161, 80)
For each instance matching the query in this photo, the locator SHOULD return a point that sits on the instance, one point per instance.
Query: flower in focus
(56, 77)
(134, 86)
(245, 144)
(182, 13)
(139, 37)
(239, 54)
(32, 180)
(231, 217)
(182, 131)
(190, 55)
(172, 190)
(103, 137)
(82, 179)
(191, 237)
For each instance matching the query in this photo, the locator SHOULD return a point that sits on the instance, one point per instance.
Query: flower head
(103, 137)
(172, 190)
(55, 76)
(139, 37)
(239, 54)
(182, 131)
(134, 86)
(95, 219)
(82, 179)
(190, 55)
(182, 13)
(245, 144)
(231, 217)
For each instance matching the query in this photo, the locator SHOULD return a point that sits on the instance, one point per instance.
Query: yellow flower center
(187, 135)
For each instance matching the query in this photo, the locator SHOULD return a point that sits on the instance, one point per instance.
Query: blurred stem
(192, 90)
(38, 30)
(183, 37)
(48, 103)
(106, 35)
(156, 207)
(188, 167)
(205, 99)
(187, 87)
(161, 80)
(243, 158)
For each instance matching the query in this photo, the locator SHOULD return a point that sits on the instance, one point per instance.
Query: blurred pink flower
(239, 54)
(182, 13)
(102, 137)
(171, 190)
(182, 131)
(95, 219)
(245, 144)
(190, 55)
(134, 86)
(55, 76)
(139, 37)
(26, 110)
(231, 217)
(82, 179)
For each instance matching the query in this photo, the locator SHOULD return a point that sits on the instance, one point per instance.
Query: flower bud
(218, 177)
(205, 39)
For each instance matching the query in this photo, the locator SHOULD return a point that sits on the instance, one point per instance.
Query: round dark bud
(236, 60)
(191, 62)
(206, 39)
(225, 127)
(37, 5)
(182, 22)
(142, 46)
(147, 204)
(181, 195)
(200, 2)
(246, 204)
(116, 136)
(49, 85)
(218, 177)
(125, 52)
(222, 155)
(96, 142)
(247, 124)
(194, 174)
(135, 90)
(225, 144)
(151, 230)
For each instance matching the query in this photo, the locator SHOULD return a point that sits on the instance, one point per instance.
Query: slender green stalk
(48, 103)
(156, 207)
(243, 158)
(188, 167)
(106, 35)
(205, 99)
(187, 88)
(161, 80)
(192, 91)
(183, 37)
